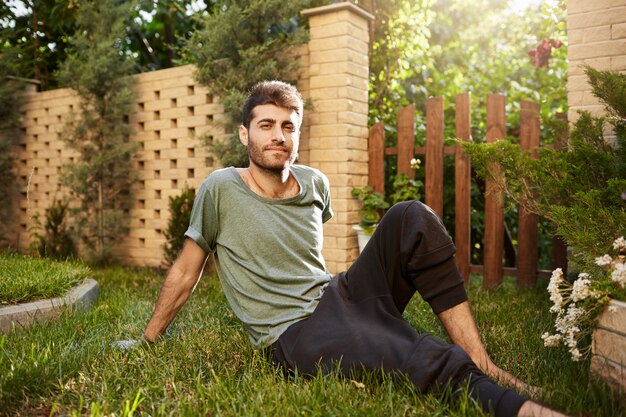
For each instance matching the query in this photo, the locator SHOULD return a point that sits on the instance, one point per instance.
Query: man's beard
(275, 163)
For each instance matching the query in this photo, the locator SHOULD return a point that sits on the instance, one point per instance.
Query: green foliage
(10, 98)
(56, 241)
(24, 279)
(102, 177)
(581, 188)
(40, 35)
(180, 212)
(399, 49)
(373, 203)
(404, 189)
(242, 43)
(160, 29)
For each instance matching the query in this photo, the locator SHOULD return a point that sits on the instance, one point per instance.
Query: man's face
(273, 137)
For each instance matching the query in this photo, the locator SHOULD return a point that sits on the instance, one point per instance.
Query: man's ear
(243, 135)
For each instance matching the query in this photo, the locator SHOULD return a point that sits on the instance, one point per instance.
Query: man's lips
(276, 149)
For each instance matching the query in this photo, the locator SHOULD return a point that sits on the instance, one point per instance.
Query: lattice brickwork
(170, 112)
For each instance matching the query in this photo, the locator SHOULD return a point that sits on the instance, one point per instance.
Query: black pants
(358, 323)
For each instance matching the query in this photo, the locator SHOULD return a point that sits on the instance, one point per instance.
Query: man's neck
(270, 184)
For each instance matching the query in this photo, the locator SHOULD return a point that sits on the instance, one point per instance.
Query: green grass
(25, 279)
(205, 366)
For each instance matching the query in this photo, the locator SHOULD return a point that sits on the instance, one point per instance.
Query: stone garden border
(609, 346)
(80, 297)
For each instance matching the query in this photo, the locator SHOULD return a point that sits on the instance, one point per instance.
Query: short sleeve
(203, 223)
(327, 214)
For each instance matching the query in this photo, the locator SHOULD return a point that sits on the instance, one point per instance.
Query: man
(264, 224)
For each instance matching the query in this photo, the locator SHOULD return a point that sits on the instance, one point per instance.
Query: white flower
(604, 260)
(574, 313)
(612, 309)
(575, 354)
(619, 244)
(553, 289)
(415, 163)
(619, 274)
(551, 340)
(581, 290)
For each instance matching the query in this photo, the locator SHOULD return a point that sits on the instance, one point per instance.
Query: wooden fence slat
(527, 235)
(494, 200)
(406, 140)
(462, 183)
(434, 154)
(376, 153)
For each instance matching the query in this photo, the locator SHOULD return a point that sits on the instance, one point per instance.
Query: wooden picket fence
(434, 150)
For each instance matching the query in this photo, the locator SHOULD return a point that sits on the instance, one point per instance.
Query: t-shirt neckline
(296, 197)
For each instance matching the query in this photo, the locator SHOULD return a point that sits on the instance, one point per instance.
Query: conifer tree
(10, 93)
(102, 177)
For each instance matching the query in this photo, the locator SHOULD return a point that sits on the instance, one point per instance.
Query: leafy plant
(102, 177)
(180, 212)
(373, 203)
(56, 241)
(405, 188)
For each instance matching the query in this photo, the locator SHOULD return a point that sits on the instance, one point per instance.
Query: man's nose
(278, 135)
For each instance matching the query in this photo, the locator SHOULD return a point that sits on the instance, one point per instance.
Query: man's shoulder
(304, 170)
(219, 176)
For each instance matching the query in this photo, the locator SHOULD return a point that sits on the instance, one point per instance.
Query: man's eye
(289, 128)
(265, 126)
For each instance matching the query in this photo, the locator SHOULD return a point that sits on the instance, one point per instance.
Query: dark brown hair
(273, 92)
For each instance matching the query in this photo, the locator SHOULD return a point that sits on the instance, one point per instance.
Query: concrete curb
(79, 298)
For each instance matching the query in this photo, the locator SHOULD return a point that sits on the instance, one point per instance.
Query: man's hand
(126, 345)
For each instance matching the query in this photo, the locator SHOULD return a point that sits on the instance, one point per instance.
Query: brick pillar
(337, 124)
(596, 32)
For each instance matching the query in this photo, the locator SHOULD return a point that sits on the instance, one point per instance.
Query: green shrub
(56, 241)
(580, 188)
(180, 211)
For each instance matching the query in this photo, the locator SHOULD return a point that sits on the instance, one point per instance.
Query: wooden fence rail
(434, 150)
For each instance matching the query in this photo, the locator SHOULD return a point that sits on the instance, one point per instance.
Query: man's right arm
(177, 288)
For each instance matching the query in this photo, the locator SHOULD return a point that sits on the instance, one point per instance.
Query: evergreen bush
(10, 92)
(180, 212)
(102, 177)
(579, 188)
(56, 241)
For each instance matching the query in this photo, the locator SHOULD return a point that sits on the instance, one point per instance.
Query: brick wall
(596, 31)
(171, 110)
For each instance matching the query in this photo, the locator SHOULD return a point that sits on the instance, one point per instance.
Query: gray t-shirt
(268, 251)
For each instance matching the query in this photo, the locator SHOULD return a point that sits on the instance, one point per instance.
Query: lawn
(53, 279)
(206, 367)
